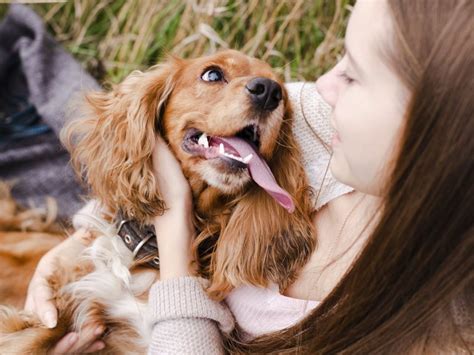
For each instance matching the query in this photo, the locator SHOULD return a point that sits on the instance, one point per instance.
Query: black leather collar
(141, 240)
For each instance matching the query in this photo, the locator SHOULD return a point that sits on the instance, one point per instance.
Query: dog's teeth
(233, 156)
(247, 158)
(203, 140)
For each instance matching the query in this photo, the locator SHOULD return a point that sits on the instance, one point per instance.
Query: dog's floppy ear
(261, 242)
(112, 141)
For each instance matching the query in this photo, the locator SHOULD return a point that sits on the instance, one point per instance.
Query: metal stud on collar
(142, 243)
(122, 222)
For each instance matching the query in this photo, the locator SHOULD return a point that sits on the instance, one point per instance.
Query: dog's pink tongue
(261, 173)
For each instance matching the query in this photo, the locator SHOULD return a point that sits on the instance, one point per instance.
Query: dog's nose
(265, 93)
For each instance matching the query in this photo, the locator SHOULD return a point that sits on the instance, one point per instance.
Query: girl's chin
(339, 168)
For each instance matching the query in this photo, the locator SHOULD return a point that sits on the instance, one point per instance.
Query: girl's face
(368, 101)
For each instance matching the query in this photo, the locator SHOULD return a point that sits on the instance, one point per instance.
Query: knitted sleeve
(186, 320)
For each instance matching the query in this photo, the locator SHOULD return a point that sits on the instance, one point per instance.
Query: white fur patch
(111, 284)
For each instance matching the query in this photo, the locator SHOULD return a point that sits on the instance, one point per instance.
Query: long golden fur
(244, 235)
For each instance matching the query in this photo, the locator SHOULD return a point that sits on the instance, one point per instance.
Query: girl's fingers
(39, 301)
(87, 337)
(43, 306)
(84, 342)
(172, 183)
(65, 345)
(50, 316)
(96, 346)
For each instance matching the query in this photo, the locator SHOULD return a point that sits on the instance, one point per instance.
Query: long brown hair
(416, 269)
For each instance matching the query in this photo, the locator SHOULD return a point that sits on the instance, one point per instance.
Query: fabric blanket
(38, 78)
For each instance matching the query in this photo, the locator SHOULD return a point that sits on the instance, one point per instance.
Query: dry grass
(300, 38)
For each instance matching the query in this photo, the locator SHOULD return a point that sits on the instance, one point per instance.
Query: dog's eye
(212, 75)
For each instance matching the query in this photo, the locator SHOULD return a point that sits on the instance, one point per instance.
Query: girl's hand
(38, 299)
(83, 343)
(39, 296)
(174, 229)
(173, 185)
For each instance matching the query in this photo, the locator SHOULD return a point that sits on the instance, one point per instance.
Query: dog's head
(217, 97)
(220, 114)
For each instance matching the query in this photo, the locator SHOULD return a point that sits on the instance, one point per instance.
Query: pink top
(264, 310)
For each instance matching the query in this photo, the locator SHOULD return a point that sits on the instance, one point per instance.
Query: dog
(227, 119)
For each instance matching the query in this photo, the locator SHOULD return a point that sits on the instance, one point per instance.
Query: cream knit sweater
(186, 320)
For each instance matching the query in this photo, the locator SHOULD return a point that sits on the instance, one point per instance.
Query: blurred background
(299, 38)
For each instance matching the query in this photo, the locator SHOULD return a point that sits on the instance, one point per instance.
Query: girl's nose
(328, 86)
